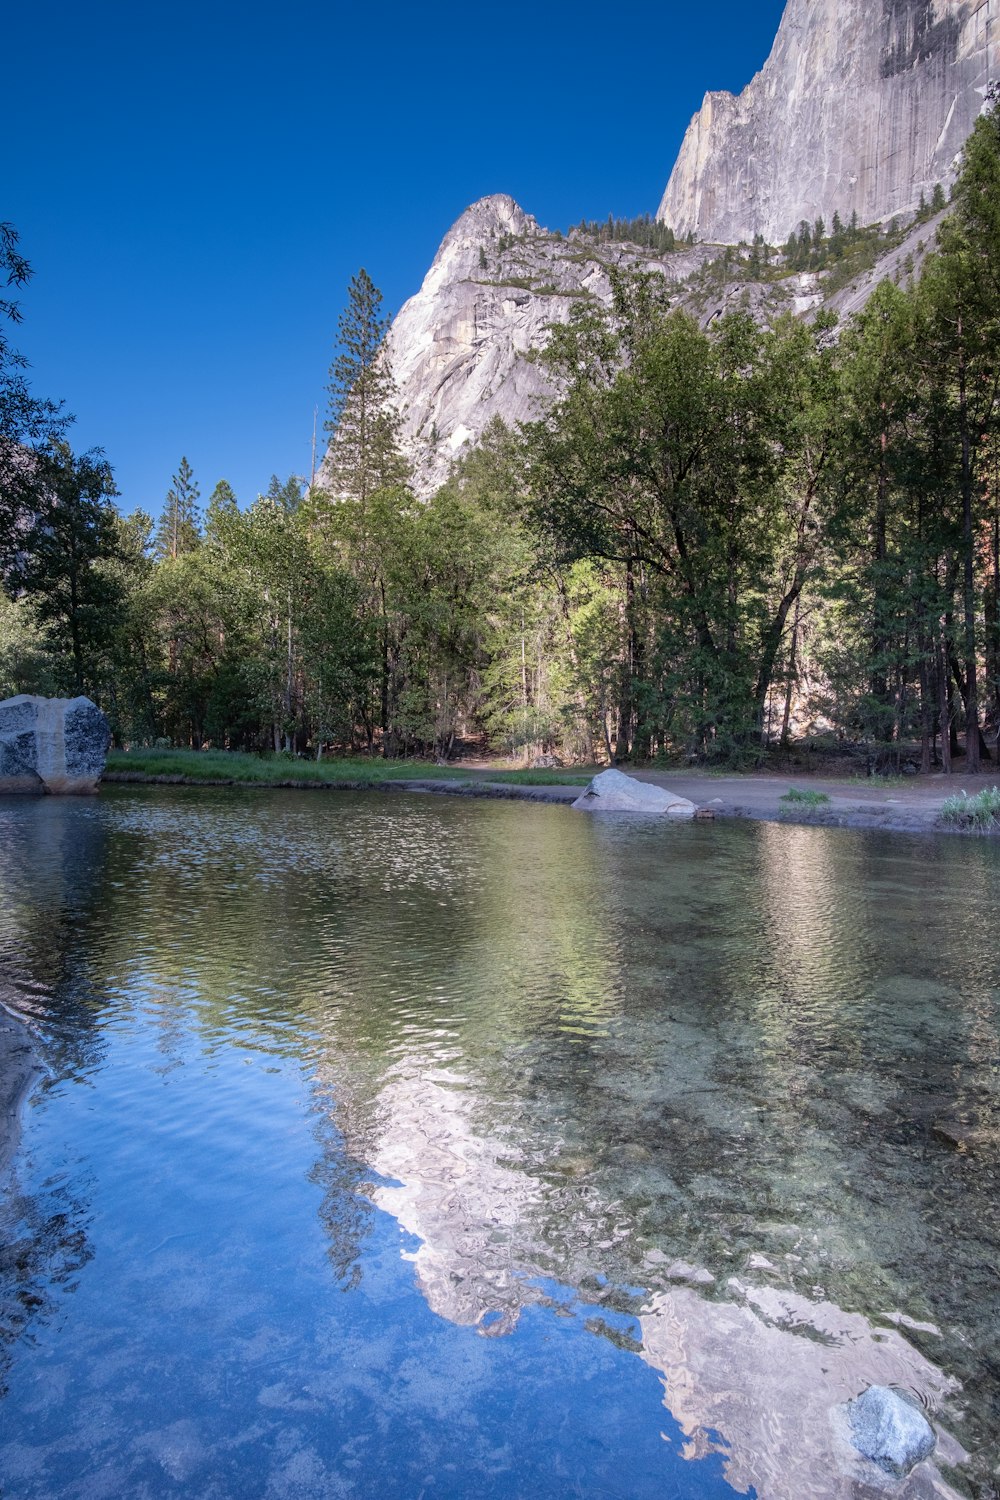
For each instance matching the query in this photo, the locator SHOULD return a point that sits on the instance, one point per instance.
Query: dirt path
(914, 806)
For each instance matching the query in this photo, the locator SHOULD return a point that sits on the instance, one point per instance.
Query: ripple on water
(557, 1059)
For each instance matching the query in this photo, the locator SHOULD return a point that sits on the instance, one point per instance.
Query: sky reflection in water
(404, 1145)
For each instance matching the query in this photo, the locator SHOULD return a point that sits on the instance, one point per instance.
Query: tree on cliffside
(364, 451)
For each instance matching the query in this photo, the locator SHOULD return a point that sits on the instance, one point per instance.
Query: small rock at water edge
(889, 1431)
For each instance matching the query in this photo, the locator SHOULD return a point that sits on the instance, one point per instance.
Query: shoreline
(912, 808)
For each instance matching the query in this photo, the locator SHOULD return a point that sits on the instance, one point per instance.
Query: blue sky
(195, 184)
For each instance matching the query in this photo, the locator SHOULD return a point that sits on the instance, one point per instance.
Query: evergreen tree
(178, 531)
(73, 534)
(959, 302)
(222, 506)
(363, 455)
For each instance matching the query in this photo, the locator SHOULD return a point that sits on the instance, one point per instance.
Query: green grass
(231, 765)
(981, 812)
(805, 799)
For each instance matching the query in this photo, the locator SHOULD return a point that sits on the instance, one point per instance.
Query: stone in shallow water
(51, 745)
(613, 791)
(889, 1431)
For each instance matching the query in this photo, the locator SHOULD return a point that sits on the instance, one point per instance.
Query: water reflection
(730, 1092)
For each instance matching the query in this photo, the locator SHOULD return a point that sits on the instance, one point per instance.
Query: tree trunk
(792, 676)
(926, 715)
(878, 684)
(944, 703)
(972, 757)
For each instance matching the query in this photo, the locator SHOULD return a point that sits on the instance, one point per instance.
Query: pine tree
(222, 506)
(959, 294)
(363, 455)
(178, 531)
(73, 535)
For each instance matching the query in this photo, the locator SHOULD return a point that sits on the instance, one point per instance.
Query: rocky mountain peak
(462, 349)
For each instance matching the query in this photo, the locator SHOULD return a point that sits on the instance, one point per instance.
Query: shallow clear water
(415, 1146)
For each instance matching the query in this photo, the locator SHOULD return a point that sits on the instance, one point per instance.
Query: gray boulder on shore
(613, 791)
(51, 745)
(889, 1431)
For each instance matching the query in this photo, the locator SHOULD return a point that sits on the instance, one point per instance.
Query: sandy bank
(914, 807)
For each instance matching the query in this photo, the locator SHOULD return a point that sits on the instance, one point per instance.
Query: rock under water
(889, 1431)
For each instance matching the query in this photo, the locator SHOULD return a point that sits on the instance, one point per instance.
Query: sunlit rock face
(859, 109)
(463, 349)
(55, 745)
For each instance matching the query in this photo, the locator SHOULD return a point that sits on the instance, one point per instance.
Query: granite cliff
(860, 108)
(462, 348)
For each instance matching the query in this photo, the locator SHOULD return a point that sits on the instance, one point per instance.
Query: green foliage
(27, 664)
(61, 568)
(682, 462)
(800, 798)
(363, 426)
(980, 813)
(221, 511)
(27, 423)
(644, 231)
(179, 528)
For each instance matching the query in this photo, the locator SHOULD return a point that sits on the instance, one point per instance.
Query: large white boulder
(52, 745)
(613, 791)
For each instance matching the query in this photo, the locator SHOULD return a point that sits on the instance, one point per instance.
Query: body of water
(410, 1146)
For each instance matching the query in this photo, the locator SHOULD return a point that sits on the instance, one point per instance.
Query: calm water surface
(403, 1146)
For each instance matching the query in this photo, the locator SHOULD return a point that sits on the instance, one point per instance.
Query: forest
(717, 540)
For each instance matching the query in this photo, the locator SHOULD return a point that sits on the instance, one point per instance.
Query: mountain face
(462, 350)
(862, 106)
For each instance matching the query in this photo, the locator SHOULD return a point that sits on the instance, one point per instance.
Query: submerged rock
(55, 745)
(613, 791)
(889, 1431)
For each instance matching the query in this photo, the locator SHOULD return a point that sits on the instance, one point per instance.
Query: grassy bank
(980, 813)
(280, 770)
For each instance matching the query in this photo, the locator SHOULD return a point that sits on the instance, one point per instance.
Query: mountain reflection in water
(691, 1086)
